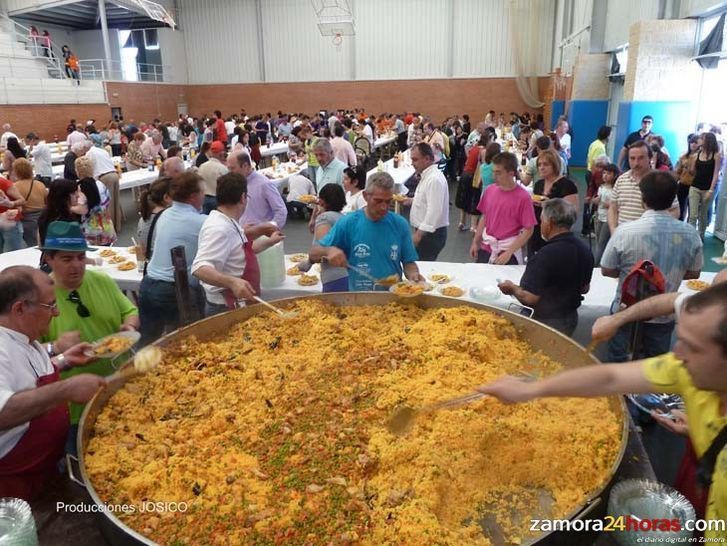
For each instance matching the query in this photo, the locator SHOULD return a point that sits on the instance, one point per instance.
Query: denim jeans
(212, 309)
(12, 238)
(158, 310)
(30, 227)
(655, 340)
(209, 204)
(432, 244)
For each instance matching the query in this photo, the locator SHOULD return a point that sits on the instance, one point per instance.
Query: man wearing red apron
(34, 400)
(226, 263)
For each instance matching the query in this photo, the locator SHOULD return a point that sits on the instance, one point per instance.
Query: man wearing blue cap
(90, 302)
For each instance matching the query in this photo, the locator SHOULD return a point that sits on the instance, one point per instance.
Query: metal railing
(35, 45)
(101, 69)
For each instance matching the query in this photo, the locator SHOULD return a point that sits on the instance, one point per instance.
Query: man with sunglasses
(33, 399)
(89, 302)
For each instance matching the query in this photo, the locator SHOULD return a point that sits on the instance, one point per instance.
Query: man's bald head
(20, 282)
(173, 166)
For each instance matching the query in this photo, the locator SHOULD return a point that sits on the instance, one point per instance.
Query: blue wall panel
(672, 120)
(585, 118)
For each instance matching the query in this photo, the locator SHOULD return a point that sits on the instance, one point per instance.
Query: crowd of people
(514, 188)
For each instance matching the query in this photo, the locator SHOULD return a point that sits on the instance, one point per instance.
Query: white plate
(391, 289)
(441, 289)
(133, 336)
(448, 280)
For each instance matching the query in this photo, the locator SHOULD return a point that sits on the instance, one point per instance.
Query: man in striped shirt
(670, 244)
(626, 204)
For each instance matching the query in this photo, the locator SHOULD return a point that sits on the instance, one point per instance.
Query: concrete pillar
(105, 36)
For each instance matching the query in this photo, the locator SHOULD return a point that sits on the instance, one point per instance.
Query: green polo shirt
(109, 309)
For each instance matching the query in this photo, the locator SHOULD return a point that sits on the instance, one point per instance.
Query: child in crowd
(609, 174)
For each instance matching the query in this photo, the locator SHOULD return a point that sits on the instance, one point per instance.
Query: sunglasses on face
(81, 309)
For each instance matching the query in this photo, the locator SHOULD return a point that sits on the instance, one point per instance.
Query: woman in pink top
(507, 219)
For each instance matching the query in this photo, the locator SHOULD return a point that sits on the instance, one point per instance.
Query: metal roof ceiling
(83, 15)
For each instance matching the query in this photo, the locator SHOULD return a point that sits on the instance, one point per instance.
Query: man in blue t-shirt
(372, 239)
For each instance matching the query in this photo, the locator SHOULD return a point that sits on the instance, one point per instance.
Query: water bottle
(380, 166)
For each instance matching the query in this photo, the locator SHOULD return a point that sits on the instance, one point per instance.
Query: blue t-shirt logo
(394, 255)
(361, 251)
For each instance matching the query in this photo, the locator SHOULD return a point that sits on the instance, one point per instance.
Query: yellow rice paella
(275, 433)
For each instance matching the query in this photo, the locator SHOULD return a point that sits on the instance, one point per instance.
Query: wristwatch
(61, 363)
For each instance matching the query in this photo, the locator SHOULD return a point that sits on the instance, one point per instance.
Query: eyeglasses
(81, 309)
(52, 307)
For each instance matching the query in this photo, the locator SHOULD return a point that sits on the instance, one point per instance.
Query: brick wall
(437, 98)
(659, 68)
(49, 120)
(146, 101)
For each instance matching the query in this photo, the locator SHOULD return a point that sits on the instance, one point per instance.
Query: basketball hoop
(337, 41)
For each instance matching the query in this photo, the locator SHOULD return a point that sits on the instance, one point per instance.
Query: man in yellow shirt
(597, 148)
(696, 370)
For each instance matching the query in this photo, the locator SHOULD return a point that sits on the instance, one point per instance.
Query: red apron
(26, 469)
(251, 274)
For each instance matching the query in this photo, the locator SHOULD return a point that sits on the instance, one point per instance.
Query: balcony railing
(100, 69)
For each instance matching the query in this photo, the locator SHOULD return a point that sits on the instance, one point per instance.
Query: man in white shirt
(210, 171)
(225, 262)
(105, 171)
(430, 207)
(34, 417)
(332, 122)
(77, 136)
(230, 129)
(7, 133)
(435, 138)
(342, 149)
(42, 162)
(561, 131)
(298, 185)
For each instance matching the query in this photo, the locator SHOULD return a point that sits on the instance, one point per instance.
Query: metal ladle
(403, 418)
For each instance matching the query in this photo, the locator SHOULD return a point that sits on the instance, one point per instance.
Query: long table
(596, 303)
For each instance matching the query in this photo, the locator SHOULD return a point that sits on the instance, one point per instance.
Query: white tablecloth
(465, 275)
(384, 140)
(276, 148)
(400, 174)
(127, 280)
(283, 174)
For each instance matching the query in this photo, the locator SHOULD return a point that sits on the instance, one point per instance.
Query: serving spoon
(145, 360)
(278, 310)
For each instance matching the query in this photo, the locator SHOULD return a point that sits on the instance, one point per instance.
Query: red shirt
(472, 157)
(5, 185)
(408, 119)
(220, 131)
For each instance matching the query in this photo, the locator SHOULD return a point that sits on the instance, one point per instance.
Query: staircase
(28, 77)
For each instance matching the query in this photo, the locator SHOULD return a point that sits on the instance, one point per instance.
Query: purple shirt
(264, 202)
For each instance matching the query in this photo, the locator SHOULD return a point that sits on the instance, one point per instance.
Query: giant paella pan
(258, 429)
